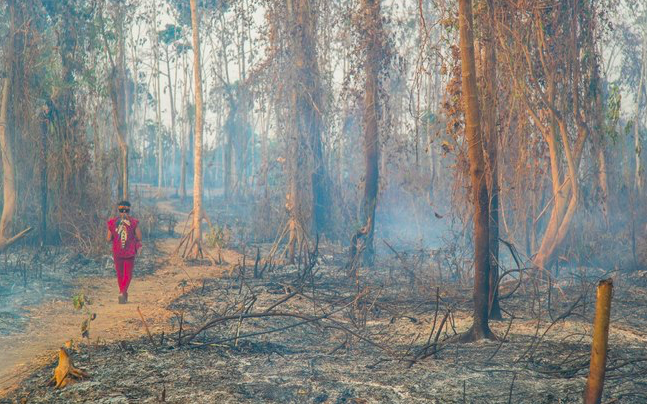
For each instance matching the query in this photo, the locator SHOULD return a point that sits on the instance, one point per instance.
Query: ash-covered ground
(317, 334)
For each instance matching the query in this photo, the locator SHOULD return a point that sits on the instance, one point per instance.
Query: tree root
(65, 373)
(476, 334)
(192, 248)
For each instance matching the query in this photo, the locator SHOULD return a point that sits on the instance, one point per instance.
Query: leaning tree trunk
(373, 30)
(566, 195)
(480, 328)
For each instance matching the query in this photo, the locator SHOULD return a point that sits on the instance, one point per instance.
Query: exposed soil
(327, 343)
(37, 319)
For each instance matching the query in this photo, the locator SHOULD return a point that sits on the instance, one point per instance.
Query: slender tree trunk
(197, 171)
(373, 26)
(230, 128)
(264, 152)
(480, 328)
(183, 137)
(43, 178)
(158, 99)
(489, 73)
(601, 146)
(118, 96)
(172, 99)
(124, 104)
(638, 181)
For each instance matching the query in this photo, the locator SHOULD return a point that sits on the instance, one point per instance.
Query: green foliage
(216, 237)
(80, 300)
(170, 34)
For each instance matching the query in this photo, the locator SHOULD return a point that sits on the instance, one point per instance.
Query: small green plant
(216, 237)
(81, 302)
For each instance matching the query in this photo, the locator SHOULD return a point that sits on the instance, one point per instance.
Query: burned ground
(311, 333)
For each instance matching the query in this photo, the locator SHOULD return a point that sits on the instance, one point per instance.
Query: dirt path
(54, 322)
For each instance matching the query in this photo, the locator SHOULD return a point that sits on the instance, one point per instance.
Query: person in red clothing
(126, 237)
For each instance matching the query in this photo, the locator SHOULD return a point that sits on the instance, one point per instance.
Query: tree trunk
(599, 120)
(488, 66)
(566, 195)
(43, 177)
(638, 181)
(123, 105)
(118, 98)
(160, 145)
(8, 168)
(480, 328)
(197, 170)
(309, 106)
(373, 30)
(8, 176)
(183, 138)
(227, 162)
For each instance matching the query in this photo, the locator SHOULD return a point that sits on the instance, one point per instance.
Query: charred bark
(490, 134)
(480, 328)
(373, 25)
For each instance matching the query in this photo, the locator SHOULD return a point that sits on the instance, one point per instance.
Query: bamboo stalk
(595, 382)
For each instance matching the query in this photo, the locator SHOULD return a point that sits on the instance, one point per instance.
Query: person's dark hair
(123, 203)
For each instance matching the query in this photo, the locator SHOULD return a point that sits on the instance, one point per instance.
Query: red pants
(124, 267)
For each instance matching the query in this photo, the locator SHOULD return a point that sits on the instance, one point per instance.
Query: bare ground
(332, 339)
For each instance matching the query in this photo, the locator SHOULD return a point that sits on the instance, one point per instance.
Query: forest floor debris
(385, 336)
(317, 363)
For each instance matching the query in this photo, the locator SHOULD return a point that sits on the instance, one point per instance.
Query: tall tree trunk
(118, 98)
(123, 139)
(183, 137)
(8, 175)
(638, 180)
(566, 194)
(491, 136)
(8, 168)
(599, 119)
(43, 175)
(480, 328)
(229, 131)
(309, 106)
(197, 170)
(172, 99)
(373, 65)
(158, 99)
